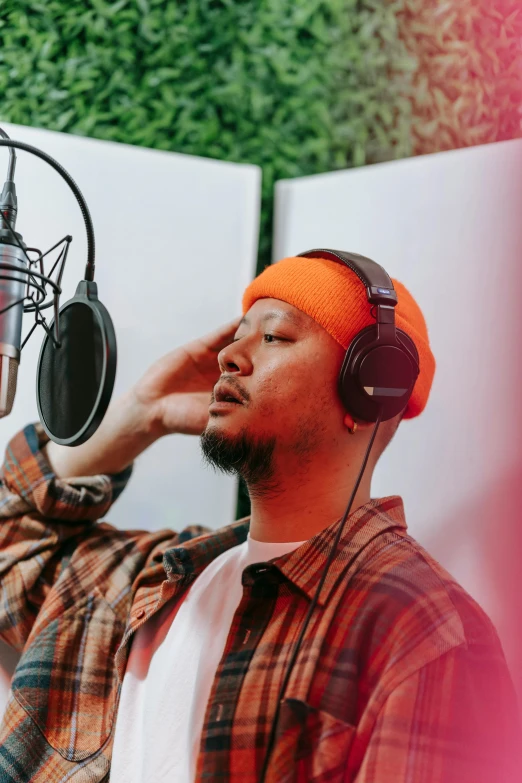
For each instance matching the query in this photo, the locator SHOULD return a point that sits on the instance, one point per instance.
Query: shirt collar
(304, 565)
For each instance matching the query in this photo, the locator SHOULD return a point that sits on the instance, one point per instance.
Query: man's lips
(225, 392)
(225, 398)
(223, 406)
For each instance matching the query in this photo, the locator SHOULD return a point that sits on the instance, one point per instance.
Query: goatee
(243, 455)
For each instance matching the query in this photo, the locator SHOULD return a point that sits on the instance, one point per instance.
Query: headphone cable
(314, 600)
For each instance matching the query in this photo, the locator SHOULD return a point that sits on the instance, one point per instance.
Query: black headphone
(381, 364)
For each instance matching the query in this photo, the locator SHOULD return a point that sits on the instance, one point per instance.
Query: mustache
(232, 381)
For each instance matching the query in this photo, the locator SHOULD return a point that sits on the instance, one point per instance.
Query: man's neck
(306, 504)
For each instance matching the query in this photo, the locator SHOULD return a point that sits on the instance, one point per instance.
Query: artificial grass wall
(467, 83)
(295, 86)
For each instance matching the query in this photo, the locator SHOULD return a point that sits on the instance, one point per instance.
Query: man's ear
(349, 423)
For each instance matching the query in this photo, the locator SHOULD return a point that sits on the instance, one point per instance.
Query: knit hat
(332, 294)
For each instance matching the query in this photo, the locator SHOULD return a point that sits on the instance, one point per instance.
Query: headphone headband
(377, 282)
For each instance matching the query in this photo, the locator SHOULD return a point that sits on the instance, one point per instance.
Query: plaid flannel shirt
(401, 676)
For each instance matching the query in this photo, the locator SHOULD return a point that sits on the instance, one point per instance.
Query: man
(160, 656)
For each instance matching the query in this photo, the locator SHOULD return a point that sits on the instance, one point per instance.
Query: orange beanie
(331, 294)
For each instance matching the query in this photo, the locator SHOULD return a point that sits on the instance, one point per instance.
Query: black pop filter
(75, 380)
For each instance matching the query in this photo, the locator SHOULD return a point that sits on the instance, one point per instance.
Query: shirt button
(140, 614)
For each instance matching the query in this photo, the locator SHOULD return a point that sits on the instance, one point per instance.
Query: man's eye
(271, 337)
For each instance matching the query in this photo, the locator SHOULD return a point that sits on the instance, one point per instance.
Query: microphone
(77, 365)
(12, 292)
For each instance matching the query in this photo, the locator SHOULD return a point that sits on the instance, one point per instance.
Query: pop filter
(75, 378)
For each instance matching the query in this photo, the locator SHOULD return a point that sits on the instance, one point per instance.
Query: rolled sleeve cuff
(28, 483)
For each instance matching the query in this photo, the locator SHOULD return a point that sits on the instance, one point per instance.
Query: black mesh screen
(70, 376)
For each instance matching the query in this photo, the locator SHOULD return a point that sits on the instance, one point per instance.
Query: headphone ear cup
(377, 375)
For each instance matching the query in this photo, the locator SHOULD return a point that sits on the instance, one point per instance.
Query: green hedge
(467, 86)
(295, 86)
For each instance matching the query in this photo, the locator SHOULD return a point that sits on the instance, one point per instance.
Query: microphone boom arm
(20, 145)
(8, 219)
(12, 158)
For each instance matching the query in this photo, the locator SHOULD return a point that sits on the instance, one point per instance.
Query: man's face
(285, 368)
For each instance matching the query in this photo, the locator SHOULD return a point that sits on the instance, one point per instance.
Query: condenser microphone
(77, 365)
(12, 292)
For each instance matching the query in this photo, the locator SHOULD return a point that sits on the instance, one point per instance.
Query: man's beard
(245, 456)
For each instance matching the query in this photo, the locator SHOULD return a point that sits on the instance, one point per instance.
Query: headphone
(381, 364)
(376, 380)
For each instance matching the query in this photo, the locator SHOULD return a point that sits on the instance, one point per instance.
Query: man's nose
(232, 360)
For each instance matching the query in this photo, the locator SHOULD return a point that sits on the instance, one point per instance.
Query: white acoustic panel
(176, 239)
(176, 244)
(449, 226)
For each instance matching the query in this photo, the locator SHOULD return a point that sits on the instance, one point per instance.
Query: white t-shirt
(171, 668)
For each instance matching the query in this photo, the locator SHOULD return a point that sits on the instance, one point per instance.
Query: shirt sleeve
(42, 518)
(455, 720)
(28, 483)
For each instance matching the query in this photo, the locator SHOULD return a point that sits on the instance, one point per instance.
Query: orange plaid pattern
(401, 677)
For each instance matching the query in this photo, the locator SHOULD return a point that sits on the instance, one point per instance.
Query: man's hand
(172, 396)
(176, 389)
